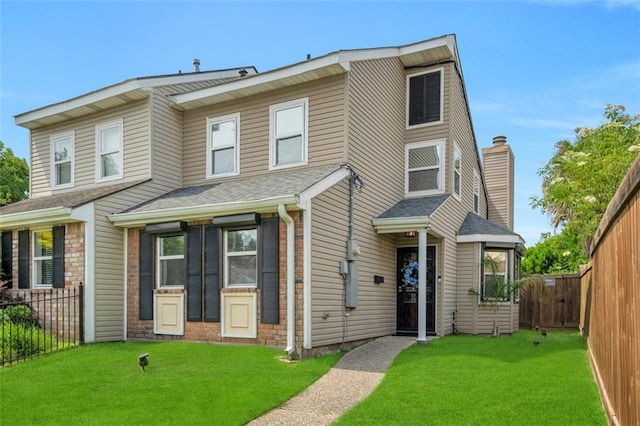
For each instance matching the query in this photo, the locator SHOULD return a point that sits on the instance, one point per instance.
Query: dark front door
(407, 309)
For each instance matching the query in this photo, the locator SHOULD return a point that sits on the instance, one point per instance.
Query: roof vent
(196, 65)
(243, 73)
(499, 140)
(308, 56)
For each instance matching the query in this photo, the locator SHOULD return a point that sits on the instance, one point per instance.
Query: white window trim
(304, 102)
(508, 274)
(53, 139)
(228, 254)
(476, 191)
(236, 152)
(456, 149)
(432, 123)
(436, 142)
(99, 154)
(35, 258)
(171, 257)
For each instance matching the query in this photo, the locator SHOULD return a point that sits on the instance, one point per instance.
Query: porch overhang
(490, 238)
(36, 217)
(400, 224)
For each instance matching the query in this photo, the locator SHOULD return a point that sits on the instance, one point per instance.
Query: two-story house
(328, 202)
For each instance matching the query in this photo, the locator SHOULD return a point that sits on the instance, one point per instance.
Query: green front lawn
(185, 383)
(471, 380)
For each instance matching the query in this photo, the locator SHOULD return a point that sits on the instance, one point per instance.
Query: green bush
(19, 314)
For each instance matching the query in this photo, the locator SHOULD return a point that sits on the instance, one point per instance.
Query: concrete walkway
(353, 378)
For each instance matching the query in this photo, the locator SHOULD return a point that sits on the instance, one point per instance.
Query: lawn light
(143, 361)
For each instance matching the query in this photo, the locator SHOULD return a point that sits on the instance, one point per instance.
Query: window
(424, 98)
(223, 139)
(109, 151)
(288, 134)
(423, 173)
(457, 174)
(171, 266)
(476, 192)
(496, 274)
(43, 258)
(62, 160)
(241, 258)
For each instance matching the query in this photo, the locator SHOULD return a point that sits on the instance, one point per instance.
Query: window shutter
(212, 241)
(194, 273)
(424, 98)
(58, 257)
(416, 100)
(268, 271)
(23, 259)
(432, 97)
(6, 265)
(145, 276)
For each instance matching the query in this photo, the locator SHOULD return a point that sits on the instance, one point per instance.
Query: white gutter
(193, 213)
(291, 279)
(35, 217)
(489, 238)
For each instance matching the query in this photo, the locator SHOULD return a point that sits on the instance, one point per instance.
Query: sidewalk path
(353, 378)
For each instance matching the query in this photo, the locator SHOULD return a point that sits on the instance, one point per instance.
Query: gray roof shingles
(415, 207)
(474, 224)
(240, 190)
(66, 199)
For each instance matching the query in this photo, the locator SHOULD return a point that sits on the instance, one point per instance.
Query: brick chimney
(498, 164)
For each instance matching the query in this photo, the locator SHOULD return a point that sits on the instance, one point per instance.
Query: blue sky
(534, 70)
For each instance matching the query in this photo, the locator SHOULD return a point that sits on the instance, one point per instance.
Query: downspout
(291, 281)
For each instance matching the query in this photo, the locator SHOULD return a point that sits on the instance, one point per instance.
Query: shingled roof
(415, 207)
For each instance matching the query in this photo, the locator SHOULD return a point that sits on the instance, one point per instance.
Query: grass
(185, 383)
(470, 380)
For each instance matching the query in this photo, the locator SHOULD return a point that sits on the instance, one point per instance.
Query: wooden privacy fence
(553, 302)
(610, 303)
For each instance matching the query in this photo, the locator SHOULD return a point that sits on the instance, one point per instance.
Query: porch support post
(422, 285)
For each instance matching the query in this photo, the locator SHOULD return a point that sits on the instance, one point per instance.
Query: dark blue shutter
(145, 276)
(58, 257)
(23, 259)
(7, 253)
(194, 273)
(268, 271)
(212, 242)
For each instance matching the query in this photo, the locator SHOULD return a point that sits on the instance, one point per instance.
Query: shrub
(19, 314)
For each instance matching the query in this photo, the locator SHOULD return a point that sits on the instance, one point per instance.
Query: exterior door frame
(432, 284)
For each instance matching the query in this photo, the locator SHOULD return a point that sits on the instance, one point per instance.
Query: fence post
(81, 313)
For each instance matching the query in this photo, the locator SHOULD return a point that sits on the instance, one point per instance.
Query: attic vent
(196, 65)
(243, 73)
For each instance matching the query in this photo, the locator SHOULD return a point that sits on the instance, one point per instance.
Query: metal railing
(38, 321)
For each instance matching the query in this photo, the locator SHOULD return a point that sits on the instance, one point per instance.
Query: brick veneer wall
(267, 334)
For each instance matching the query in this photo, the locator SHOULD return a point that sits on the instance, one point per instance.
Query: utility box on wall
(351, 291)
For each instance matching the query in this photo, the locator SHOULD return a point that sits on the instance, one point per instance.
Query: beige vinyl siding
(135, 145)
(468, 278)
(499, 181)
(325, 130)
(375, 314)
(166, 137)
(461, 132)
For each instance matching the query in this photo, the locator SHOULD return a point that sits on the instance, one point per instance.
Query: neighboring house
(331, 201)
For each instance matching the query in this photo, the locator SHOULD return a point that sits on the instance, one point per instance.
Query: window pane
(63, 173)
(242, 240)
(44, 271)
(111, 164)
(43, 243)
(495, 261)
(426, 156)
(424, 98)
(172, 272)
(242, 270)
(223, 161)
(172, 246)
(110, 139)
(456, 182)
(289, 121)
(289, 150)
(223, 134)
(424, 180)
(63, 150)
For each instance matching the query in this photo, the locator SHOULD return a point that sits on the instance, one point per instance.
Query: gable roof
(422, 53)
(57, 207)
(409, 214)
(477, 229)
(257, 194)
(118, 94)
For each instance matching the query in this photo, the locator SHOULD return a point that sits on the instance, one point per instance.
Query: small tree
(14, 177)
(496, 290)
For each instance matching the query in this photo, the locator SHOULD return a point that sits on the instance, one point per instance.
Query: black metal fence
(38, 321)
